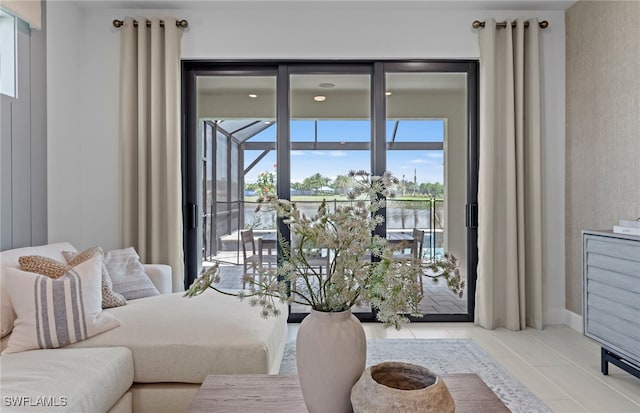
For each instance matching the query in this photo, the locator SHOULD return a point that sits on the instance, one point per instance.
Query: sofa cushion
(177, 339)
(110, 298)
(53, 313)
(9, 259)
(128, 276)
(78, 380)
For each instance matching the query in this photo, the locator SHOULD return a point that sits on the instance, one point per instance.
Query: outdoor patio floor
(438, 299)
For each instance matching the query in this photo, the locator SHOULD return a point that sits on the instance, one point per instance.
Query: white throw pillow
(53, 313)
(110, 298)
(127, 274)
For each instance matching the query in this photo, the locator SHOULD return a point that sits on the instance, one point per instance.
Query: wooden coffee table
(244, 393)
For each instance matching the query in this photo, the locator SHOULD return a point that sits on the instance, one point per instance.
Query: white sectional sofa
(154, 361)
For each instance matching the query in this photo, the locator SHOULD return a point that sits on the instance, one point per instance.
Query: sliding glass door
(426, 129)
(296, 129)
(233, 152)
(330, 134)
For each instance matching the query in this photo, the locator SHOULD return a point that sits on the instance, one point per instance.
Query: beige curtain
(509, 286)
(150, 141)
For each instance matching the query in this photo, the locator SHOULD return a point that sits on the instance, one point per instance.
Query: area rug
(444, 356)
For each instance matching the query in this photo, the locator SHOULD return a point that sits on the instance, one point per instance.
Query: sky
(427, 166)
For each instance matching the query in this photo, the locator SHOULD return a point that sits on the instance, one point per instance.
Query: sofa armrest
(160, 275)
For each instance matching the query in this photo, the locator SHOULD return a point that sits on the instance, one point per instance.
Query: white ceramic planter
(331, 351)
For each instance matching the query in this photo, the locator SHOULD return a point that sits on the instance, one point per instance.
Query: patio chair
(269, 259)
(418, 243)
(415, 246)
(251, 260)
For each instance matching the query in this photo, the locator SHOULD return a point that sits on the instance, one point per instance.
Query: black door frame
(191, 69)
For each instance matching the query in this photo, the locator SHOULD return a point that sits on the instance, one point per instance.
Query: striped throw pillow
(52, 313)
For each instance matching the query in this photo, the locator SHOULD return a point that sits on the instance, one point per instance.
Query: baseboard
(574, 321)
(564, 317)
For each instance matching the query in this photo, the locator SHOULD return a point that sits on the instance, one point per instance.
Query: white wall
(64, 155)
(82, 131)
(83, 50)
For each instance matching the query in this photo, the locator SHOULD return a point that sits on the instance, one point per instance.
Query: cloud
(318, 153)
(337, 154)
(418, 161)
(434, 154)
(298, 153)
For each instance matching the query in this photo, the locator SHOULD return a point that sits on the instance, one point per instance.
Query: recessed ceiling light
(253, 95)
(319, 98)
(326, 85)
(387, 93)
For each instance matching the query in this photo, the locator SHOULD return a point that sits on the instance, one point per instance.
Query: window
(7, 54)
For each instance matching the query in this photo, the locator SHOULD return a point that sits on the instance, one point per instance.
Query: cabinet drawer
(613, 264)
(623, 281)
(627, 331)
(614, 340)
(622, 296)
(597, 302)
(613, 247)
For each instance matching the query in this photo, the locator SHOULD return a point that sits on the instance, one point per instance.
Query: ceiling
(435, 4)
(396, 82)
(332, 96)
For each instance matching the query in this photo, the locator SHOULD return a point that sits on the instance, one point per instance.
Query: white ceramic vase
(331, 350)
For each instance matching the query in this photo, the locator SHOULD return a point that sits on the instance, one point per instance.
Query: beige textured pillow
(43, 265)
(110, 298)
(74, 258)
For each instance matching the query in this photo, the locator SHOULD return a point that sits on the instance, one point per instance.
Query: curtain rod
(501, 25)
(180, 23)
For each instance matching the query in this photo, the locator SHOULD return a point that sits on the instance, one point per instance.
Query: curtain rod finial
(117, 23)
(477, 24)
(183, 23)
(543, 24)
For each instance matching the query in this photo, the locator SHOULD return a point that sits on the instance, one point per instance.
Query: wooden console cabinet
(611, 300)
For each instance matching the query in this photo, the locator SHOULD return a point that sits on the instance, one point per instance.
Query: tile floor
(558, 364)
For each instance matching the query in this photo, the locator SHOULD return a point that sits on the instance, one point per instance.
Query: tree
(251, 187)
(410, 187)
(342, 184)
(315, 182)
(433, 190)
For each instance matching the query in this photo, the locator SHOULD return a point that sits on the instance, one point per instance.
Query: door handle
(193, 219)
(471, 215)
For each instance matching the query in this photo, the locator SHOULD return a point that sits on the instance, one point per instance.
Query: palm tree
(342, 184)
(315, 182)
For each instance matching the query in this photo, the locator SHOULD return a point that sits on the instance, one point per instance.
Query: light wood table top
(245, 393)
